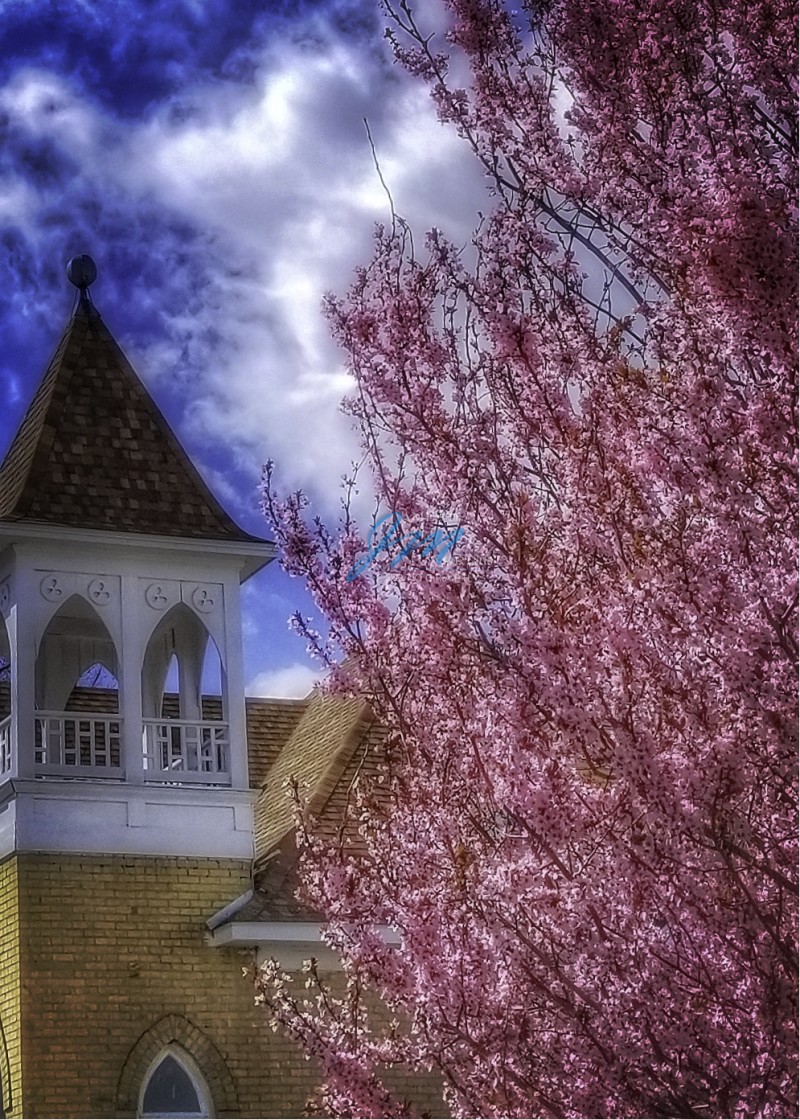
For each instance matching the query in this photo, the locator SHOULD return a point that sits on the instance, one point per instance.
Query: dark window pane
(170, 1090)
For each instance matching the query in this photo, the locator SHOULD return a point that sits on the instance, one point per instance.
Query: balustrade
(78, 745)
(186, 751)
(5, 745)
(89, 745)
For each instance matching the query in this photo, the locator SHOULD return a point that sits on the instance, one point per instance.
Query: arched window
(182, 663)
(140, 1091)
(174, 1087)
(78, 730)
(186, 734)
(77, 651)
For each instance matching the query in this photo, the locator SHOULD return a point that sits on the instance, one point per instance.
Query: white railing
(186, 751)
(79, 745)
(5, 745)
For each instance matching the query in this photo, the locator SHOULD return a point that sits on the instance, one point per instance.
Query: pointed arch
(175, 1036)
(183, 742)
(180, 634)
(75, 638)
(174, 1087)
(78, 732)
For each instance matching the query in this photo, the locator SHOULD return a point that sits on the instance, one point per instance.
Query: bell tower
(119, 567)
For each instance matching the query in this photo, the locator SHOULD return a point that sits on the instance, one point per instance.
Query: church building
(145, 835)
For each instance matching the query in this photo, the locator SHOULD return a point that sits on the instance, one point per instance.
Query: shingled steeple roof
(94, 451)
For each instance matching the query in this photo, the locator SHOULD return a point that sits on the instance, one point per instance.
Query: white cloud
(278, 174)
(292, 682)
(45, 104)
(17, 202)
(308, 211)
(240, 201)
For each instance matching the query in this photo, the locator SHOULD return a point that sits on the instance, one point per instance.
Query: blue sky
(212, 158)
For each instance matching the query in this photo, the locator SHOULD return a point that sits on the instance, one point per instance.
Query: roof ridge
(340, 758)
(317, 752)
(292, 701)
(16, 466)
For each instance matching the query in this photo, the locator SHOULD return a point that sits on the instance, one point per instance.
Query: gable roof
(331, 741)
(94, 451)
(315, 756)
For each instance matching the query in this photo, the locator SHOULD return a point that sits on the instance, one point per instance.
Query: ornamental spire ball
(82, 272)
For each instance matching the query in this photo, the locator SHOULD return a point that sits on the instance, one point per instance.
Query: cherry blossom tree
(582, 834)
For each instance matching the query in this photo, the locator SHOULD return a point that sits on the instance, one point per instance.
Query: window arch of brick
(169, 1031)
(177, 1061)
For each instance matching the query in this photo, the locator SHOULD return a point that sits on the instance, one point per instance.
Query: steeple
(116, 557)
(95, 452)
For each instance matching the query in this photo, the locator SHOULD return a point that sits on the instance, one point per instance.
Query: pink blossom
(585, 828)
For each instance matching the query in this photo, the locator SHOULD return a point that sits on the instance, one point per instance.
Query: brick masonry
(103, 962)
(10, 1039)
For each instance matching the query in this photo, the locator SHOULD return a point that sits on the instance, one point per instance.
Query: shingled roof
(335, 741)
(314, 756)
(94, 452)
(270, 722)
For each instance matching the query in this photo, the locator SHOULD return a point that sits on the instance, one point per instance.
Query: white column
(22, 636)
(130, 680)
(234, 664)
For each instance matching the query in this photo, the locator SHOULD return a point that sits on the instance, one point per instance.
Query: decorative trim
(255, 554)
(175, 1030)
(51, 589)
(267, 933)
(154, 792)
(154, 597)
(279, 933)
(204, 597)
(98, 591)
(50, 814)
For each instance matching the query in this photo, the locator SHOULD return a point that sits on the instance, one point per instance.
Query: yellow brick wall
(111, 946)
(10, 1047)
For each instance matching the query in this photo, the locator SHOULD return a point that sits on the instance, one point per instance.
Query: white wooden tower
(114, 555)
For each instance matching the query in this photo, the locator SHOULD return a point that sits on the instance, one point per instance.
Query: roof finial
(82, 272)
